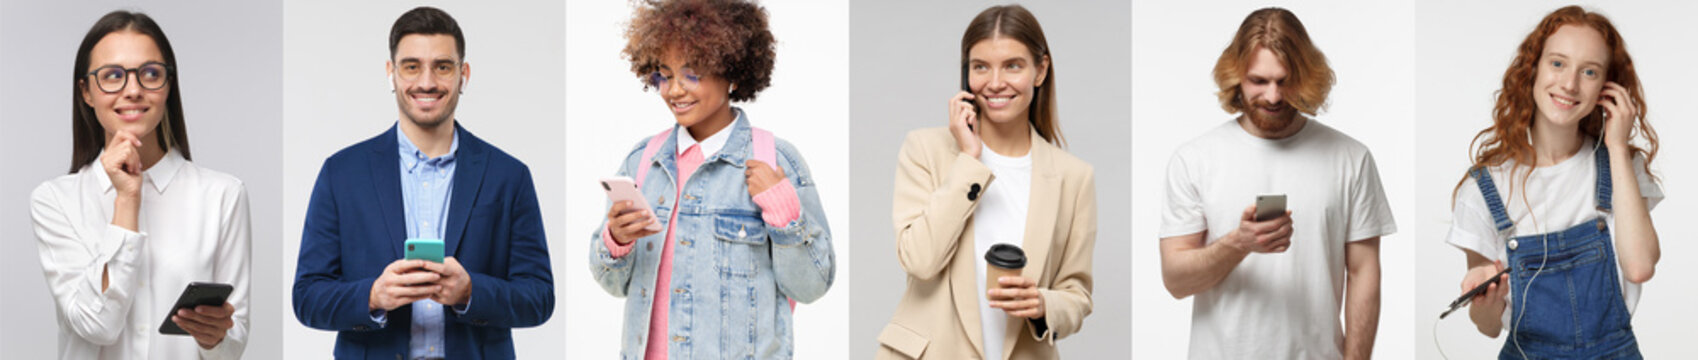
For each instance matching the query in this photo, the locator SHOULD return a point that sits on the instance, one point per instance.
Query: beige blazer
(938, 317)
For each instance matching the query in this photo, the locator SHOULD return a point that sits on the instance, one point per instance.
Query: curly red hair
(1512, 117)
(1277, 30)
(726, 38)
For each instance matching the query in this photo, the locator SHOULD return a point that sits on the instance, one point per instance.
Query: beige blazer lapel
(966, 288)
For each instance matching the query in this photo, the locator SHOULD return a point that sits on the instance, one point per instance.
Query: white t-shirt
(1000, 219)
(1286, 305)
(1565, 194)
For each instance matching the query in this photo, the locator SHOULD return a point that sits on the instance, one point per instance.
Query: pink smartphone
(620, 188)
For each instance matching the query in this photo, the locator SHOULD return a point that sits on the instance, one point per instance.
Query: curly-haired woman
(743, 229)
(1560, 194)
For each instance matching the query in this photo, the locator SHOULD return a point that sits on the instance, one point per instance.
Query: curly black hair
(727, 38)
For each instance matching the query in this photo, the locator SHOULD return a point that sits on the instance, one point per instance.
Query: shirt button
(678, 291)
(433, 349)
(427, 184)
(648, 247)
(1513, 244)
(678, 339)
(661, 200)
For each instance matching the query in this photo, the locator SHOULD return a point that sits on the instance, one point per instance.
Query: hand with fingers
(455, 284)
(1018, 296)
(122, 162)
(760, 176)
(1266, 236)
(963, 123)
(402, 283)
(627, 224)
(1621, 114)
(207, 324)
(1492, 300)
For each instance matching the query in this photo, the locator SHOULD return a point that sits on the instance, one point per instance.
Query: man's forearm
(1362, 301)
(1188, 267)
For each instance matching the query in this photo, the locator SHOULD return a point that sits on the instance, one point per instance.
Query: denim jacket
(731, 272)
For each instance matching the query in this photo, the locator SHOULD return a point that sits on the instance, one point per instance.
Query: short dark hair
(88, 138)
(727, 38)
(425, 20)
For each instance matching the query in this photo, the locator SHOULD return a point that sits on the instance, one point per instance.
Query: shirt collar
(159, 176)
(711, 144)
(411, 156)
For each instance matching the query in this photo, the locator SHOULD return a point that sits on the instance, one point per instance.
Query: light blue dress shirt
(426, 185)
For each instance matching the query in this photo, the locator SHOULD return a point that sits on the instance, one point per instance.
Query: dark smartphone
(197, 294)
(1469, 297)
(965, 86)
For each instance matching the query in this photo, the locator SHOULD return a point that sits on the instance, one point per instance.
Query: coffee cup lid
(1006, 256)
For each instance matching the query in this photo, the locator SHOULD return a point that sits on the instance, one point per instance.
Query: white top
(710, 145)
(1000, 219)
(1286, 305)
(194, 226)
(1565, 195)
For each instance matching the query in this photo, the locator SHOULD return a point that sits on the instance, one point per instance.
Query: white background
(227, 59)
(1370, 45)
(609, 113)
(1465, 48)
(336, 94)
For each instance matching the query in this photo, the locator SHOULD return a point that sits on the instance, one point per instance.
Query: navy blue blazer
(355, 227)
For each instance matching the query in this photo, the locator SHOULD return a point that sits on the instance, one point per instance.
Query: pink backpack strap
(766, 151)
(765, 148)
(648, 155)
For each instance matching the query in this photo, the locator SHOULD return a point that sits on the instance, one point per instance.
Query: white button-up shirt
(193, 226)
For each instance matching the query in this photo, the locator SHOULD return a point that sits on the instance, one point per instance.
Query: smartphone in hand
(196, 294)
(968, 87)
(620, 188)
(424, 249)
(1269, 206)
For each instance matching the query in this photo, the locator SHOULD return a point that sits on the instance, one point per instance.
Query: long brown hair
(1018, 24)
(88, 138)
(1279, 31)
(1512, 117)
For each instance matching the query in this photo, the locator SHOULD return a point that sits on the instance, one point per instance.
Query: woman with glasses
(995, 222)
(736, 232)
(134, 223)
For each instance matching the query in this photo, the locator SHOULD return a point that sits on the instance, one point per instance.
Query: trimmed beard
(1270, 123)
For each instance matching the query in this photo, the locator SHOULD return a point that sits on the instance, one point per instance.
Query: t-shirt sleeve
(1471, 224)
(1183, 212)
(1652, 191)
(1370, 213)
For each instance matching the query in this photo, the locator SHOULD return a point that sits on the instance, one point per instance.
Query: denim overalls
(1574, 308)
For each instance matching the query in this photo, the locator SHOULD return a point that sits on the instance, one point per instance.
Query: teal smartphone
(424, 249)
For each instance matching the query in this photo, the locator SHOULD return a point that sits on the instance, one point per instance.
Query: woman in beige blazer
(995, 175)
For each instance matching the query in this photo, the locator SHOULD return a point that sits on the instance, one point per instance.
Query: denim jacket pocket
(742, 243)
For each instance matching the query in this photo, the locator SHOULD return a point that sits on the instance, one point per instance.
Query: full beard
(1272, 123)
(427, 121)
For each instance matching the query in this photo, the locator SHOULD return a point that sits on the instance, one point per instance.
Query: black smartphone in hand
(196, 294)
(968, 87)
(1469, 297)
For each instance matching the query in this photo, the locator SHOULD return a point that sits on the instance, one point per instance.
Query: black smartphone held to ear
(1469, 297)
(196, 294)
(968, 87)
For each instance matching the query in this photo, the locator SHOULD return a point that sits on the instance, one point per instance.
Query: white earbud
(391, 82)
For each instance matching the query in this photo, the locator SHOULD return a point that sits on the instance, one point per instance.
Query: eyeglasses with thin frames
(410, 70)
(113, 78)
(661, 83)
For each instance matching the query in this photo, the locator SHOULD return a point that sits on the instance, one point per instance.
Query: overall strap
(1604, 188)
(1489, 190)
(653, 146)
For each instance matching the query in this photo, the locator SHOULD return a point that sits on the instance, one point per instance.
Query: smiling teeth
(998, 100)
(1565, 102)
(130, 112)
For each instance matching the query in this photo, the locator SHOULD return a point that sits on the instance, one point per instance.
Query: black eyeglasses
(113, 78)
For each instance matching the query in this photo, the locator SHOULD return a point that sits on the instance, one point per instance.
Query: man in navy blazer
(425, 178)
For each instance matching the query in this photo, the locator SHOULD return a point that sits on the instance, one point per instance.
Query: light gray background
(1371, 48)
(228, 57)
(905, 65)
(337, 95)
(1465, 48)
(609, 112)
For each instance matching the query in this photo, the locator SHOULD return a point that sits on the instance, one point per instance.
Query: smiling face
(1264, 92)
(694, 98)
(1571, 75)
(132, 109)
(427, 73)
(1003, 76)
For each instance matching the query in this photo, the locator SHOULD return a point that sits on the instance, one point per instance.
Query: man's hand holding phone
(402, 283)
(963, 123)
(1267, 236)
(455, 284)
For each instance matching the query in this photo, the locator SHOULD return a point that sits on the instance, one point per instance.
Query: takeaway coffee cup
(1002, 260)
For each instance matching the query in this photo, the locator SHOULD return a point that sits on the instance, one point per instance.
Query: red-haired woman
(1560, 194)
